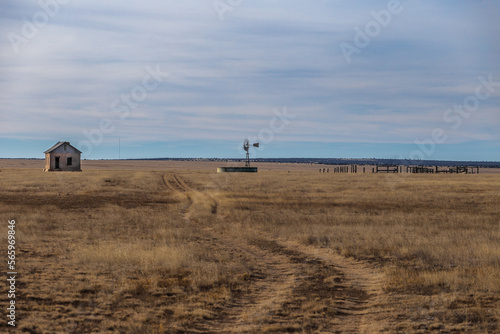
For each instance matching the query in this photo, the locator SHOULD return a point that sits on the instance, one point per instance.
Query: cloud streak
(225, 77)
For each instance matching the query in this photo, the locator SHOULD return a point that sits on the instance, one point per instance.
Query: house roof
(59, 144)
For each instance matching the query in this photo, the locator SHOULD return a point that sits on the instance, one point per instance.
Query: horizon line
(261, 159)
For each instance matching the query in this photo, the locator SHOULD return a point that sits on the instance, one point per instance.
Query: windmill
(246, 147)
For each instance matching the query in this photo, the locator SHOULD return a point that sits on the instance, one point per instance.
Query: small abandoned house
(62, 157)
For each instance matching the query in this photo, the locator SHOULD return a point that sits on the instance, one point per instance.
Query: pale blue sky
(88, 62)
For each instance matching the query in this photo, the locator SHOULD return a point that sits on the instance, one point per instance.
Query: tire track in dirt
(174, 185)
(271, 284)
(356, 295)
(361, 309)
(288, 273)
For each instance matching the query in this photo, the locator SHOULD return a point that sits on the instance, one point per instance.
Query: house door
(57, 163)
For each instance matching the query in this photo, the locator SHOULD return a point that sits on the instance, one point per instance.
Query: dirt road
(294, 287)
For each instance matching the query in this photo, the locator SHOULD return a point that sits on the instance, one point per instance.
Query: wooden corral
(420, 170)
(458, 170)
(341, 169)
(387, 169)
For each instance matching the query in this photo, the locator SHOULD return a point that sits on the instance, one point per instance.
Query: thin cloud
(225, 77)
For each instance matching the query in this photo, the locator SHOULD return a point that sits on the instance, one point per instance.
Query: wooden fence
(409, 169)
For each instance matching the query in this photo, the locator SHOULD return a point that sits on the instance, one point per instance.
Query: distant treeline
(338, 161)
(326, 161)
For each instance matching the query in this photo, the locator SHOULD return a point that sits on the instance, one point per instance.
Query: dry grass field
(154, 249)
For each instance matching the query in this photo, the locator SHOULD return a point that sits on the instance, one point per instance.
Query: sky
(184, 78)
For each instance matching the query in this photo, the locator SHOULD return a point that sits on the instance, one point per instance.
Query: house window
(69, 161)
